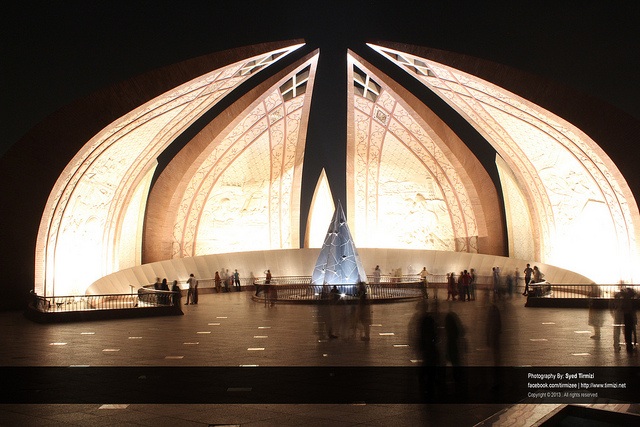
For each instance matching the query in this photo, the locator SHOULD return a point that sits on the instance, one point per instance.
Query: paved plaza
(232, 331)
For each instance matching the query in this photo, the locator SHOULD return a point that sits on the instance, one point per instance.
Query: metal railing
(276, 291)
(144, 298)
(580, 291)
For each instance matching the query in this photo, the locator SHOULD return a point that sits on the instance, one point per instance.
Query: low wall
(300, 262)
(35, 315)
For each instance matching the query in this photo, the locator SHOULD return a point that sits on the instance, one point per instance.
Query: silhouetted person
(217, 281)
(618, 318)
(376, 274)
(164, 286)
(364, 312)
(493, 331)
(334, 310)
(528, 272)
(455, 345)
(177, 293)
(451, 286)
(428, 345)
(595, 319)
(324, 312)
(236, 280)
(509, 281)
(493, 336)
(630, 320)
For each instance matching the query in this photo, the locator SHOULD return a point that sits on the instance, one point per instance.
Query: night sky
(55, 52)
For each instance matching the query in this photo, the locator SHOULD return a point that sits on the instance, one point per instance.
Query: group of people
(344, 319)
(532, 275)
(227, 280)
(464, 288)
(623, 313)
(192, 287)
(164, 286)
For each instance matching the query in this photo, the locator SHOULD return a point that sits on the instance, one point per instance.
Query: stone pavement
(230, 330)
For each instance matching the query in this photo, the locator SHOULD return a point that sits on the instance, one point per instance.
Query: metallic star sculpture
(338, 263)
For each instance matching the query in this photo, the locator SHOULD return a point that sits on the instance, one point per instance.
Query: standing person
(177, 293)
(267, 288)
(376, 274)
(158, 285)
(461, 286)
(527, 279)
(236, 279)
(191, 281)
(466, 283)
(423, 281)
(217, 282)
(451, 286)
(496, 282)
(537, 274)
(472, 283)
(195, 291)
(164, 286)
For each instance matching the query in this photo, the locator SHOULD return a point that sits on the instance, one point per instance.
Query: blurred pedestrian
(236, 280)
(615, 307)
(630, 319)
(364, 312)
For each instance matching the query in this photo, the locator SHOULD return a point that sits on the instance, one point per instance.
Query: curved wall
(300, 262)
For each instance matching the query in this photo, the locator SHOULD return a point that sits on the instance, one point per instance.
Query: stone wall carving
(82, 224)
(560, 170)
(406, 191)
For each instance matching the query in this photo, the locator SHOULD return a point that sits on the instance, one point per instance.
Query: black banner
(319, 384)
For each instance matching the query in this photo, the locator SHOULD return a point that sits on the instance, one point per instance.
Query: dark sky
(55, 52)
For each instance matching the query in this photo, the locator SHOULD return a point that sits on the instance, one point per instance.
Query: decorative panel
(83, 220)
(569, 189)
(406, 191)
(244, 194)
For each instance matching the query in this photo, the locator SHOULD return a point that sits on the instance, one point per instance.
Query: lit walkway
(230, 330)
